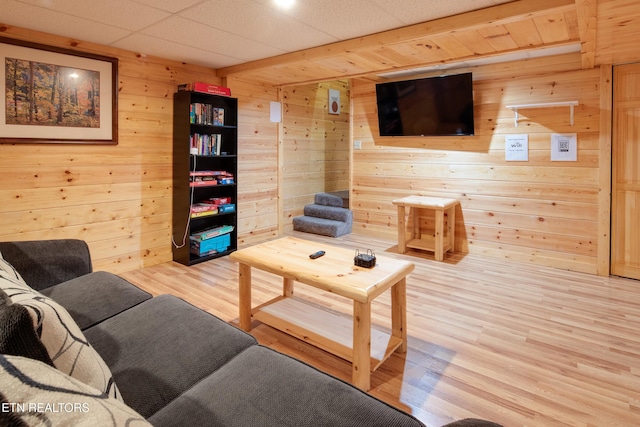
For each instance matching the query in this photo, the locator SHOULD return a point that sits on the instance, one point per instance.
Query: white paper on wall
(564, 147)
(516, 148)
(275, 112)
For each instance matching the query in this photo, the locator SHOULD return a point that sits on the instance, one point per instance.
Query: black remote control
(316, 254)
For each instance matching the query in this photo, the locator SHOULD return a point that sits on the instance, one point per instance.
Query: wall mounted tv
(434, 106)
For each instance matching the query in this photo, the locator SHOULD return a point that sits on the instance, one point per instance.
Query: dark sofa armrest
(44, 263)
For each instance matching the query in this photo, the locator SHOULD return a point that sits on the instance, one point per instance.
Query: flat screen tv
(433, 106)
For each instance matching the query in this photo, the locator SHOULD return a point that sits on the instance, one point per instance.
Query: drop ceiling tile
(251, 20)
(49, 21)
(190, 33)
(340, 19)
(172, 6)
(148, 45)
(123, 14)
(415, 11)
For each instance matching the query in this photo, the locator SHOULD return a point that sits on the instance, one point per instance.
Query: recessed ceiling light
(285, 4)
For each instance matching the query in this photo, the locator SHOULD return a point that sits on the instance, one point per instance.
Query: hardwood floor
(517, 344)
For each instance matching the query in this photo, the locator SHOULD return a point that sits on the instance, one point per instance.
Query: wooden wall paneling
(524, 33)
(537, 211)
(587, 16)
(499, 38)
(618, 28)
(605, 167)
(257, 161)
(552, 27)
(114, 197)
(281, 200)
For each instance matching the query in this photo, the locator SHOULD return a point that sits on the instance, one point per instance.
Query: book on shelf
(205, 144)
(212, 232)
(218, 116)
(218, 200)
(203, 214)
(206, 183)
(205, 88)
(205, 178)
(205, 114)
(226, 208)
(208, 173)
(203, 207)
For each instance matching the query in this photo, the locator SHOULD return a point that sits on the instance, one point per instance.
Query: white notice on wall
(516, 148)
(275, 112)
(564, 147)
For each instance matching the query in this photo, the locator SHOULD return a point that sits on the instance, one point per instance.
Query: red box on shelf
(219, 200)
(206, 88)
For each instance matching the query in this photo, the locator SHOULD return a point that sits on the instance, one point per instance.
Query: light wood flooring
(517, 344)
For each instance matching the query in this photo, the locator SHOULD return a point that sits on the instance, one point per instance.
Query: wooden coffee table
(351, 339)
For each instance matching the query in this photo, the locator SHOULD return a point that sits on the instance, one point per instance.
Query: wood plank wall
(315, 145)
(538, 211)
(258, 218)
(117, 198)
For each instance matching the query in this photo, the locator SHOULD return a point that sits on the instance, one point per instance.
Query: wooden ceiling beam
(374, 76)
(495, 15)
(587, 11)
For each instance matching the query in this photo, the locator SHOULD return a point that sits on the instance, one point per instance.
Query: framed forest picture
(57, 95)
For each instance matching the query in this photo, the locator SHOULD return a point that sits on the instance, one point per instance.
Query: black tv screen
(426, 107)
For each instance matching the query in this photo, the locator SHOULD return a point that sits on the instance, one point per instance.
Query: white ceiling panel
(124, 14)
(190, 33)
(178, 52)
(48, 21)
(254, 21)
(342, 19)
(172, 6)
(414, 12)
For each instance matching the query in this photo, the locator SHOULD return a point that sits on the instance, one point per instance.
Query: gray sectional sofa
(168, 362)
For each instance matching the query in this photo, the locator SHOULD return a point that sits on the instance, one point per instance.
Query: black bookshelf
(216, 149)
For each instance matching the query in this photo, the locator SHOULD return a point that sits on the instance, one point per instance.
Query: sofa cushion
(17, 335)
(96, 296)
(36, 394)
(7, 271)
(66, 345)
(43, 263)
(261, 387)
(162, 347)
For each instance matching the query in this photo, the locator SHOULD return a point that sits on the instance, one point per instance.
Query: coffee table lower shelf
(326, 330)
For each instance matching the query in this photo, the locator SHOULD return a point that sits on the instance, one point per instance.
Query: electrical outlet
(357, 145)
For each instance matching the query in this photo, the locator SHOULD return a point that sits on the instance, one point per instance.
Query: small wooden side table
(440, 242)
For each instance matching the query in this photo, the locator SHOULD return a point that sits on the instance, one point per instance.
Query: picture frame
(57, 95)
